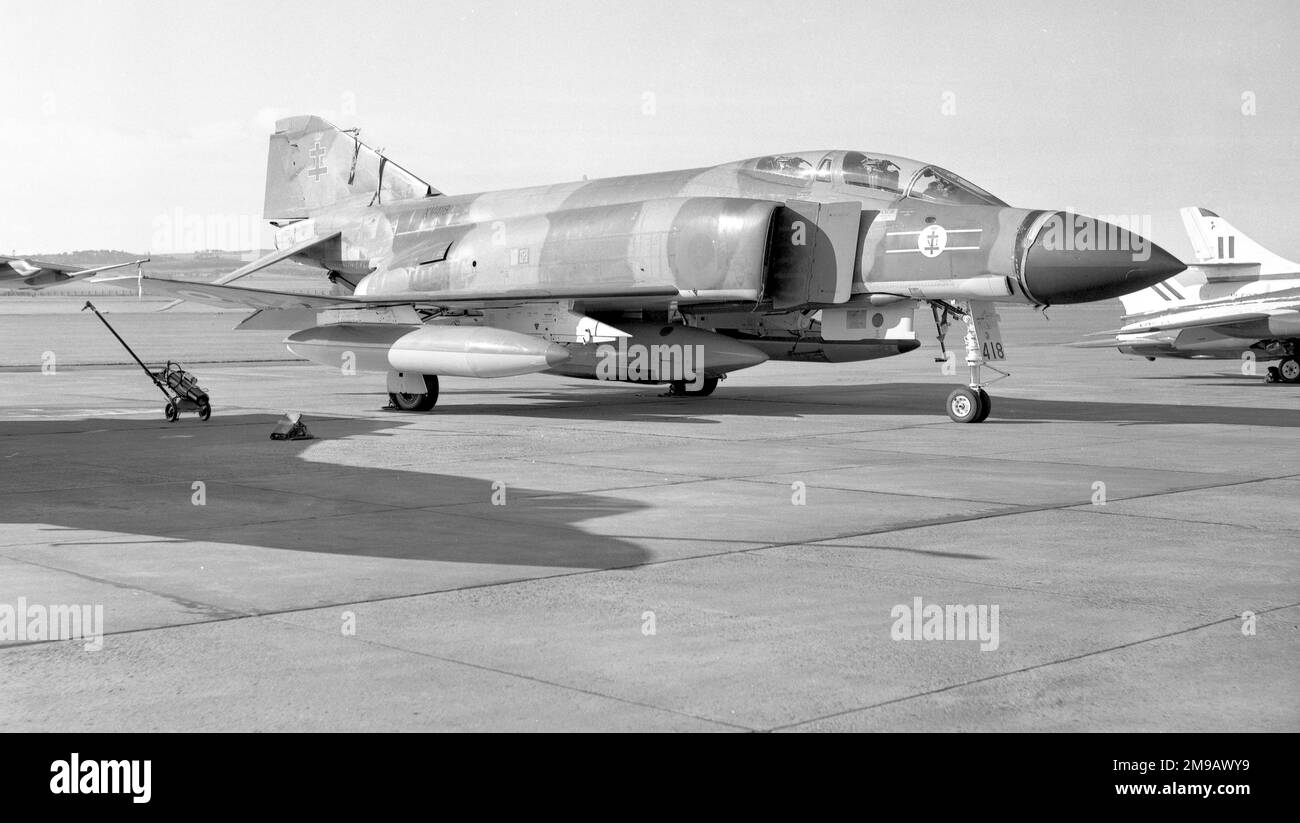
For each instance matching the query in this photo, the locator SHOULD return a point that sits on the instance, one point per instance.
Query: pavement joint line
(571, 466)
(521, 676)
(1025, 669)
(165, 481)
(314, 607)
(1268, 527)
(758, 478)
(1032, 509)
(1227, 484)
(183, 602)
(932, 497)
(742, 477)
(1068, 464)
(981, 583)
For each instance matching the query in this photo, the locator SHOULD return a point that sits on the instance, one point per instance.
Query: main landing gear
(1288, 368)
(417, 401)
(680, 388)
(1288, 371)
(971, 404)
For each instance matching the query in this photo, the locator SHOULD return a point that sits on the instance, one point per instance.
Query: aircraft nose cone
(1076, 259)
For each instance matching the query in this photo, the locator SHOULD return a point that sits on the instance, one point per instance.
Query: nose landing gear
(983, 339)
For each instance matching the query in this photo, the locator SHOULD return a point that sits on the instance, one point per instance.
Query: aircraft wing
(1208, 317)
(1108, 343)
(226, 295)
(22, 273)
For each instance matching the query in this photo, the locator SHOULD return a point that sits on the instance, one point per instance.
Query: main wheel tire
(680, 388)
(169, 411)
(986, 406)
(964, 405)
(1289, 369)
(417, 402)
(205, 411)
(707, 385)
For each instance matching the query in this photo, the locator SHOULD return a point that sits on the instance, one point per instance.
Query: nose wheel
(969, 405)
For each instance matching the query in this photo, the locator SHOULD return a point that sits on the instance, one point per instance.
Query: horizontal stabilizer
(275, 257)
(266, 261)
(1226, 272)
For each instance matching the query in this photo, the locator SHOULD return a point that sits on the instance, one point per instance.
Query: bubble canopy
(872, 170)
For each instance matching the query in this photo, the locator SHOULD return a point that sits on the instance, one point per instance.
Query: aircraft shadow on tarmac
(135, 477)
(800, 401)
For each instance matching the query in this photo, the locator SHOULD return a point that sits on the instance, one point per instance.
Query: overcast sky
(117, 117)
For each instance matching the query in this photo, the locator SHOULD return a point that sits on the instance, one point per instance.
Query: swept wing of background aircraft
(817, 256)
(24, 273)
(1238, 299)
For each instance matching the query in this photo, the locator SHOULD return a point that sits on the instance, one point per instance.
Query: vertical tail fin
(1214, 240)
(313, 164)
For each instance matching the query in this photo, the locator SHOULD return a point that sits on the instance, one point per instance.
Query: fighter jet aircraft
(1237, 300)
(678, 277)
(21, 273)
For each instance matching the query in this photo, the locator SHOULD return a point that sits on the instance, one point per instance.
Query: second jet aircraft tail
(1215, 241)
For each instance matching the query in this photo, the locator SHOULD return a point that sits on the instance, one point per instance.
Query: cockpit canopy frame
(850, 170)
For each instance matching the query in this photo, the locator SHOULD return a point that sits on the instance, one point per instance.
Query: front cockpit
(852, 171)
(942, 186)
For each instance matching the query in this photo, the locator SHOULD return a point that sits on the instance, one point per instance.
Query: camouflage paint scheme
(702, 233)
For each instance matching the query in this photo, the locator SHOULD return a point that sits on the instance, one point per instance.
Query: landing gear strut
(971, 404)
